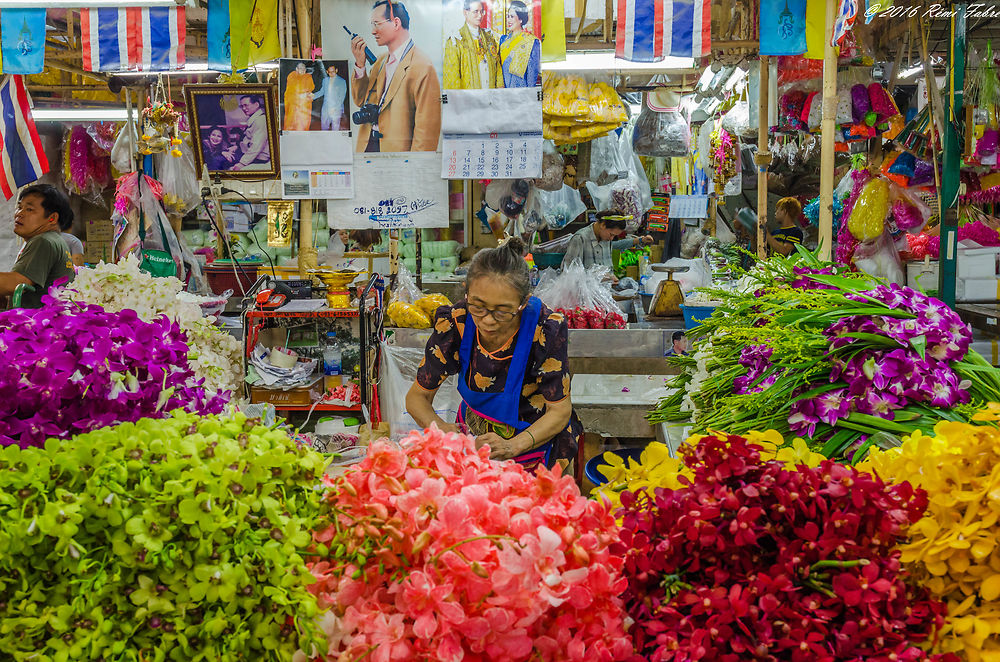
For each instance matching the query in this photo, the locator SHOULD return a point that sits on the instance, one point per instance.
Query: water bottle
(645, 271)
(332, 359)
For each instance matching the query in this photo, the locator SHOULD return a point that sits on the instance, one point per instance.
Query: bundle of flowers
(657, 467)
(174, 538)
(749, 559)
(980, 233)
(69, 368)
(953, 549)
(833, 358)
(213, 354)
(593, 318)
(431, 551)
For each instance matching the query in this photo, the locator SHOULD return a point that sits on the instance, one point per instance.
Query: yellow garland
(953, 549)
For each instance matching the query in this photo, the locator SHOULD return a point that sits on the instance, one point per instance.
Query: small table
(984, 317)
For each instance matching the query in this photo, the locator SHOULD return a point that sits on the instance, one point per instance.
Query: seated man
(42, 212)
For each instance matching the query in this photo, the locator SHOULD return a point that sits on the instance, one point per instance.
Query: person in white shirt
(254, 148)
(333, 91)
(402, 87)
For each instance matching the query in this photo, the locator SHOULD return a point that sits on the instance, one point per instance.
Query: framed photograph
(312, 95)
(234, 129)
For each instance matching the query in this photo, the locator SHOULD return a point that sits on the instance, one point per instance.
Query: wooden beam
(763, 159)
(68, 68)
(829, 122)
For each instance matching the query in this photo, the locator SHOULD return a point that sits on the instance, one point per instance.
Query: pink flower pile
(435, 552)
(593, 318)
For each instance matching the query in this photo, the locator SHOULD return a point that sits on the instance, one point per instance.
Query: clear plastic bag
(559, 208)
(181, 182)
(583, 296)
(124, 148)
(880, 258)
(661, 133)
(398, 369)
(406, 289)
(553, 167)
(737, 120)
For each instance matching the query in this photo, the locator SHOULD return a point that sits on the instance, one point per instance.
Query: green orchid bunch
(168, 539)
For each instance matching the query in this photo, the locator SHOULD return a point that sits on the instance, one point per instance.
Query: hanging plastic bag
(553, 167)
(181, 182)
(559, 208)
(661, 129)
(606, 165)
(737, 120)
(867, 219)
(880, 258)
(124, 148)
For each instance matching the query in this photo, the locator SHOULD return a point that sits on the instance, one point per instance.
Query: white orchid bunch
(213, 354)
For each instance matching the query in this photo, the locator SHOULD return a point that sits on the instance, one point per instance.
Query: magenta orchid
(69, 368)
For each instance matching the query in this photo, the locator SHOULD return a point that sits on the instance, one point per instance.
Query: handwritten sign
(492, 156)
(393, 191)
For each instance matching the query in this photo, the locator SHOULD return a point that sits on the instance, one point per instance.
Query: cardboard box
(100, 229)
(969, 290)
(95, 251)
(975, 261)
(923, 275)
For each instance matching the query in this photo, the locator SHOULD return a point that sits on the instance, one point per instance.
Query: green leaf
(920, 345)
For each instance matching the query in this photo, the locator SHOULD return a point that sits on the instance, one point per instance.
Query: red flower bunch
(755, 561)
(593, 318)
(435, 552)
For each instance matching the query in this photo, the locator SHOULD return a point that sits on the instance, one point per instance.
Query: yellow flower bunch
(576, 110)
(658, 468)
(953, 549)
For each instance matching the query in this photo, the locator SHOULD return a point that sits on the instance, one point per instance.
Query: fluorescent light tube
(606, 61)
(80, 114)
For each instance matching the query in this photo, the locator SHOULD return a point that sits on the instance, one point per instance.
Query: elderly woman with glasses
(510, 354)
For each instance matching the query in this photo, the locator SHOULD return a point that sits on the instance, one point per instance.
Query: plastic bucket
(595, 476)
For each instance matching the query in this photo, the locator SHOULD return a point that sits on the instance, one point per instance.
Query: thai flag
(649, 30)
(133, 39)
(22, 159)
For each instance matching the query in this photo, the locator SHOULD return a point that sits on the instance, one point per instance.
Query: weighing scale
(668, 296)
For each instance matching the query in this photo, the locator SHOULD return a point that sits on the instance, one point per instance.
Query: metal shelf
(320, 407)
(330, 312)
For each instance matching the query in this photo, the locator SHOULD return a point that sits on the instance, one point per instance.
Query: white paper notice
(491, 111)
(310, 183)
(688, 206)
(492, 156)
(400, 190)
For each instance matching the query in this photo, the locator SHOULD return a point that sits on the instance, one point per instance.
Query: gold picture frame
(234, 129)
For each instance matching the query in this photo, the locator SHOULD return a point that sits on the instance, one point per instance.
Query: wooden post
(763, 158)
(303, 16)
(827, 132)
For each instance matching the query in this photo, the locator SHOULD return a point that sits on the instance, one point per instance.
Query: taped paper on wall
(393, 191)
(311, 183)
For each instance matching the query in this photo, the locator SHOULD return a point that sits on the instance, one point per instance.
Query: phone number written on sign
(497, 155)
(394, 212)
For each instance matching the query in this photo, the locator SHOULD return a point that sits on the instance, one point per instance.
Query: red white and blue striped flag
(649, 30)
(133, 39)
(22, 159)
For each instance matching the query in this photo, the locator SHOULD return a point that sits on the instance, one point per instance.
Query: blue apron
(504, 407)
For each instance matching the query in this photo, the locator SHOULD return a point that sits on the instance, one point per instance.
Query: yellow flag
(553, 30)
(253, 26)
(816, 29)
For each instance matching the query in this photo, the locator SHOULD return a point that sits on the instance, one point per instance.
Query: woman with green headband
(593, 244)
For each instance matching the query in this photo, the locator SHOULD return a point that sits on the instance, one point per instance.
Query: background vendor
(789, 234)
(593, 244)
(510, 353)
(42, 213)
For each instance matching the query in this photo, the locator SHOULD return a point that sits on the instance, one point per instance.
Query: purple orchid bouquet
(835, 357)
(69, 368)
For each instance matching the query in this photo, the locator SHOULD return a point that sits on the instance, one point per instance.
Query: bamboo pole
(763, 158)
(307, 251)
(827, 151)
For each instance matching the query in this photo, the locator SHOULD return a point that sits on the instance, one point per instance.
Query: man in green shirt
(42, 212)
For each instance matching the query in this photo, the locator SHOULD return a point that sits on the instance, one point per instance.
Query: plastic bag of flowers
(69, 368)
(953, 549)
(214, 355)
(750, 559)
(431, 551)
(166, 539)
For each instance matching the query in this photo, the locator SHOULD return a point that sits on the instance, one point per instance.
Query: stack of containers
(439, 258)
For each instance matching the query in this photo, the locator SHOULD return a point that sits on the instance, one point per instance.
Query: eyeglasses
(476, 11)
(501, 316)
(377, 24)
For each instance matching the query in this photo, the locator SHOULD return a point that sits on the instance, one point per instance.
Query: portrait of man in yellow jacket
(472, 54)
(399, 99)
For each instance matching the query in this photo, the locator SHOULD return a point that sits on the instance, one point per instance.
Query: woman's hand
(500, 448)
